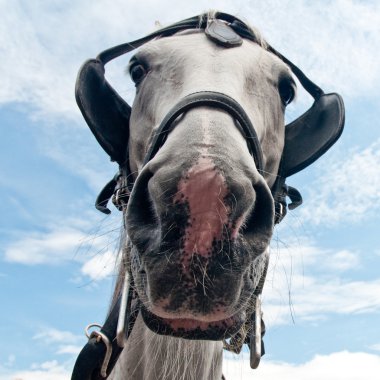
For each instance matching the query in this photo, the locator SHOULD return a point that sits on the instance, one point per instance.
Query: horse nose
(197, 205)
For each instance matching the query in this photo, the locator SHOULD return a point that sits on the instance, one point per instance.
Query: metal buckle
(120, 197)
(101, 337)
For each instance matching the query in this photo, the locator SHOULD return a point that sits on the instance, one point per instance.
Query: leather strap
(90, 364)
(209, 99)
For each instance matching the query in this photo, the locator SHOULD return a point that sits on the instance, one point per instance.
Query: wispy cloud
(44, 51)
(307, 282)
(348, 190)
(312, 299)
(100, 266)
(95, 248)
(50, 335)
(375, 347)
(304, 254)
(39, 248)
(51, 370)
(66, 342)
(327, 42)
(342, 365)
(69, 349)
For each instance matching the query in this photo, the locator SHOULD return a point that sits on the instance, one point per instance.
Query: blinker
(221, 33)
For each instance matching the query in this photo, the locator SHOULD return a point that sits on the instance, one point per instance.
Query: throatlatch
(107, 114)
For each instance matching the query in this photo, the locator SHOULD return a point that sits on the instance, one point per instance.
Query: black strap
(116, 51)
(200, 22)
(90, 360)
(88, 365)
(210, 99)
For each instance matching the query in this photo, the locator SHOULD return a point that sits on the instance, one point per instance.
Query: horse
(203, 157)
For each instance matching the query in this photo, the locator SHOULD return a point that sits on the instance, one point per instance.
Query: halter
(314, 133)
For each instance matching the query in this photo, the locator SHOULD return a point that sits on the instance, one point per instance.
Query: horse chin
(194, 329)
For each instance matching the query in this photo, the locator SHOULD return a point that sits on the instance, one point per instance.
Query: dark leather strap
(88, 365)
(200, 22)
(209, 99)
(89, 362)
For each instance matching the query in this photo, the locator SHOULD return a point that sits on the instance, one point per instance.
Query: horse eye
(137, 73)
(287, 92)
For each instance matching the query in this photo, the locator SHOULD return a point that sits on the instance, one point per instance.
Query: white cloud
(52, 335)
(94, 247)
(302, 254)
(10, 361)
(66, 342)
(342, 365)
(69, 349)
(307, 282)
(46, 371)
(336, 366)
(50, 248)
(314, 299)
(347, 191)
(100, 266)
(48, 42)
(333, 43)
(375, 347)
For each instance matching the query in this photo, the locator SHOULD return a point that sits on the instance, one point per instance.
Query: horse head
(203, 154)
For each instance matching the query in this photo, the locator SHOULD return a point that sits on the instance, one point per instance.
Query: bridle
(100, 354)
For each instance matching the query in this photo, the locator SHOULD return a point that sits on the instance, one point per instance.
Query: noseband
(214, 100)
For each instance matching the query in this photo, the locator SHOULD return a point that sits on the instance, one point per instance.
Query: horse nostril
(261, 220)
(141, 217)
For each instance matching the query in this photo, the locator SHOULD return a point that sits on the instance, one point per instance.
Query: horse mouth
(189, 328)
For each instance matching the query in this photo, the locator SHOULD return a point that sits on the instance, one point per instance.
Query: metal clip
(255, 338)
(120, 197)
(121, 330)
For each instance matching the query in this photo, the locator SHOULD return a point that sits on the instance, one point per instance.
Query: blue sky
(322, 295)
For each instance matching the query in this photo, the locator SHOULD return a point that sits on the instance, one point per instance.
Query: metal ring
(87, 328)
